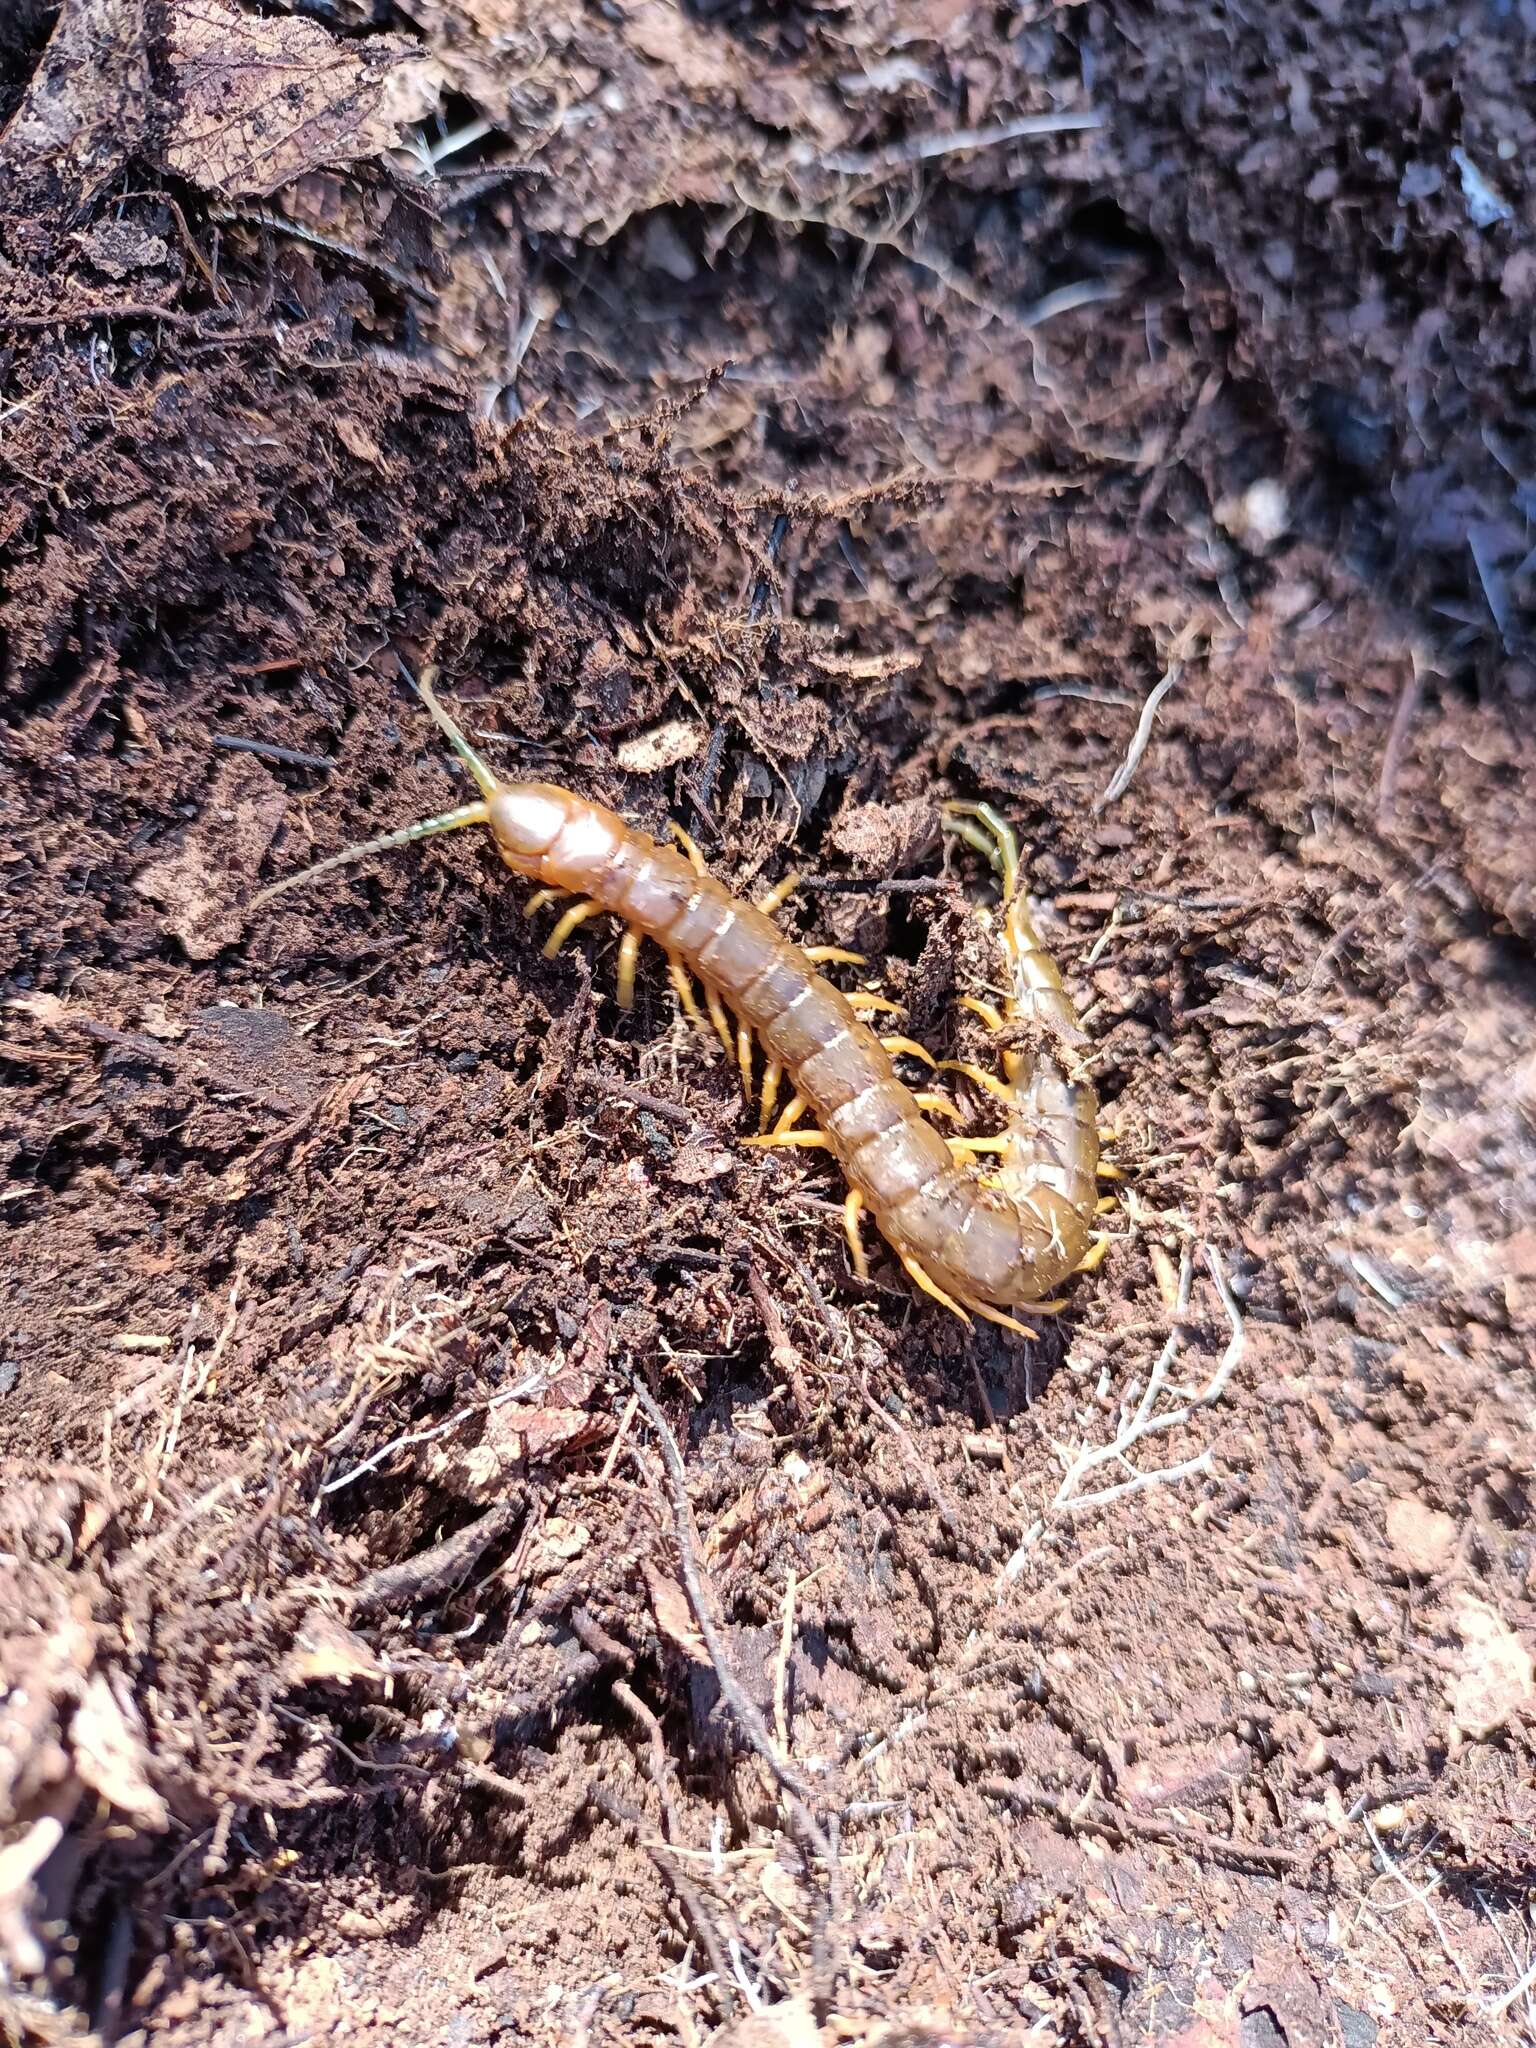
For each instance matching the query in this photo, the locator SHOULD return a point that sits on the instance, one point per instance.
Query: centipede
(982, 1224)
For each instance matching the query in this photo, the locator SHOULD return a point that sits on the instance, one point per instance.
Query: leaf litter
(768, 419)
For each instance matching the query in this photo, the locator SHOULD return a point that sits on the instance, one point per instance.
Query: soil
(475, 1564)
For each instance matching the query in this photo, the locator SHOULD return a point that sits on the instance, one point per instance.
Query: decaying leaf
(1496, 1678)
(326, 1652)
(191, 884)
(678, 739)
(561, 1539)
(110, 1752)
(515, 1434)
(674, 1617)
(260, 100)
(84, 112)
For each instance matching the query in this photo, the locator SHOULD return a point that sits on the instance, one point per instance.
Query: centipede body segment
(983, 1242)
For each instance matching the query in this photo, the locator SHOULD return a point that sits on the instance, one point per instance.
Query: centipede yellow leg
(930, 1286)
(853, 1209)
(938, 1105)
(997, 1315)
(721, 1022)
(808, 1141)
(991, 835)
(744, 1058)
(971, 1148)
(577, 914)
(682, 988)
(910, 1045)
(794, 1109)
(779, 894)
(989, 1013)
(686, 842)
(773, 1074)
(866, 1004)
(974, 1073)
(629, 955)
(820, 955)
(1095, 1255)
(540, 898)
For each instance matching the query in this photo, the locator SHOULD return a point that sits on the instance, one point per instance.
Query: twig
(438, 1569)
(1142, 1422)
(1409, 699)
(795, 1786)
(624, 1815)
(1119, 782)
(361, 1763)
(669, 1112)
(880, 885)
(786, 1359)
(617, 1445)
(75, 316)
(781, 1665)
(1093, 1818)
(411, 1438)
(250, 215)
(1068, 298)
(234, 743)
(923, 148)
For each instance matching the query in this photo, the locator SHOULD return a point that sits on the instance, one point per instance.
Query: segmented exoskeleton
(977, 1242)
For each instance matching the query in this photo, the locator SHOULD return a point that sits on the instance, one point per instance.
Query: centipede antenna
(991, 835)
(427, 828)
(485, 781)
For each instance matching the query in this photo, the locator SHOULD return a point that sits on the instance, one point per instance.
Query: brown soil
(749, 451)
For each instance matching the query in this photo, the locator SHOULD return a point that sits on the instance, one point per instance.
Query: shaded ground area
(476, 1565)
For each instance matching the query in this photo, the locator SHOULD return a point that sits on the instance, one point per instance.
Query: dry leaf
(110, 1752)
(1497, 1678)
(789, 2024)
(325, 1650)
(259, 100)
(1423, 1540)
(86, 109)
(564, 1539)
(679, 739)
(674, 1617)
(517, 1433)
(357, 440)
(194, 886)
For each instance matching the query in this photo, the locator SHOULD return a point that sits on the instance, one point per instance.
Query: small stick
(796, 1787)
(614, 1448)
(781, 1667)
(436, 1570)
(1406, 709)
(880, 885)
(669, 1112)
(923, 148)
(626, 1816)
(234, 743)
(786, 1359)
(1125, 1827)
(1119, 782)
